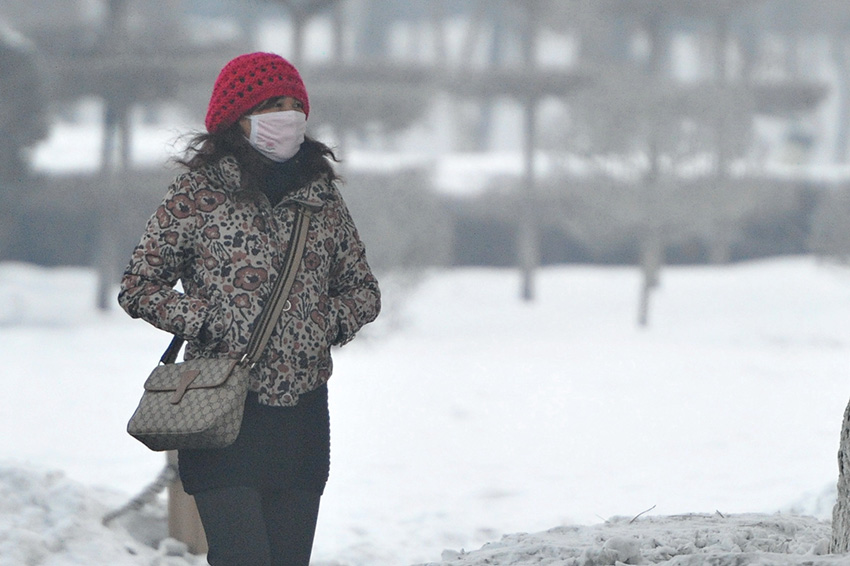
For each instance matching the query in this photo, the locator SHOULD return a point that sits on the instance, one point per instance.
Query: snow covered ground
(464, 415)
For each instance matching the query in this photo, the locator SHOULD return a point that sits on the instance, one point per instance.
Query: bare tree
(666, 146)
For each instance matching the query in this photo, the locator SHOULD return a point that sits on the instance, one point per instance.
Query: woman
(222, 231)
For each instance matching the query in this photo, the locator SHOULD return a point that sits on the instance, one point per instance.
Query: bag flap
(199, 373)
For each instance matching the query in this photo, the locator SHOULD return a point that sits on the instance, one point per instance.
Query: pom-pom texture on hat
(248, 80)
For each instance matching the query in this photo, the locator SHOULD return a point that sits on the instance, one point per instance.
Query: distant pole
(721, 243)
(652, 243)
(114, 159)
(528, 237)
(114, 156)
(298, 21)
(337, 18)
(438, 18)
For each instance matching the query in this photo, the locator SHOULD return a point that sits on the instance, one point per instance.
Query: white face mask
(278, 135)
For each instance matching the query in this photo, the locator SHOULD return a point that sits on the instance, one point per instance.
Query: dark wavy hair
(313, 160)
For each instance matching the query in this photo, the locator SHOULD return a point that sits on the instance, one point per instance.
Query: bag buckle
(244, 358)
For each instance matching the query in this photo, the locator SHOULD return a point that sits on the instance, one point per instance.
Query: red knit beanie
(247, 81)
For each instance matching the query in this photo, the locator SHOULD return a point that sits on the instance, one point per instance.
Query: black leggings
(247, 527)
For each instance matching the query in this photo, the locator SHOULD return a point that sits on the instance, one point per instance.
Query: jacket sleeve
(354, 293)
(160, 260)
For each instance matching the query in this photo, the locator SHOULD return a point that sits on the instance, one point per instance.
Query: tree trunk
(651, 259)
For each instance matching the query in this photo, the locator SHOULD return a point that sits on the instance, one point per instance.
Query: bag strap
(277, 301)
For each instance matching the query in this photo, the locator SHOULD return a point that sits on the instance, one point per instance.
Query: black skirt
(277, 448)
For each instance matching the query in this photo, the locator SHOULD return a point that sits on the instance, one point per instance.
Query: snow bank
(47, 519)
(466, 414)
(680, 540)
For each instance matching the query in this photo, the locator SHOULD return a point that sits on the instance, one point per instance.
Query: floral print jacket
(225, 247)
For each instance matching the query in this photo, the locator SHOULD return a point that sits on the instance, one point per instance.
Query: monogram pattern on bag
(207, 416)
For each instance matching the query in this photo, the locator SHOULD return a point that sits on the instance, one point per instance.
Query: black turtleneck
(279, 179)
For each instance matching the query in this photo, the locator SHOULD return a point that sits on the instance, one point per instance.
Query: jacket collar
(226, 173)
